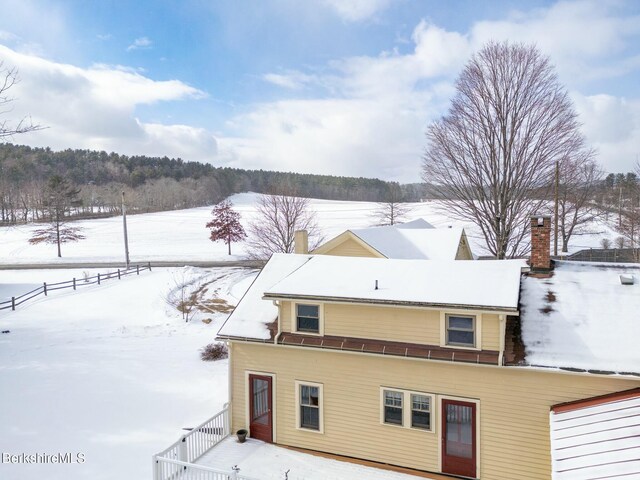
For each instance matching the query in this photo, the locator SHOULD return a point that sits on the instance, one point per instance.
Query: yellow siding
(383, 323)
(513, 410)
(463, 252)
(350, 248)
(412, 325)
(490, 332)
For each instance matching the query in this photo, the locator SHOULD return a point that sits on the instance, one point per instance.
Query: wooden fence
(75, 283)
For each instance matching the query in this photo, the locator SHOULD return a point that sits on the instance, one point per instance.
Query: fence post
(45, 288)
(137, 269)
(13, 303)
(98, 279)
(118, 274)
(149, 265)
(74, 283)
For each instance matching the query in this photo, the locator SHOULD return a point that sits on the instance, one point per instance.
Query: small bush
(214, 351)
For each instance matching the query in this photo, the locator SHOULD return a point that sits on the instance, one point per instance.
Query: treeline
(155, 183)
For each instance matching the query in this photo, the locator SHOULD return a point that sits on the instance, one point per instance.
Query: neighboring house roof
(597, 437)
(487, 285)
(417, 239)
(582, 317)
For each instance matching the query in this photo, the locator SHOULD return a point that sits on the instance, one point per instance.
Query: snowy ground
(181, 234)
(109, 371)
(261, 460)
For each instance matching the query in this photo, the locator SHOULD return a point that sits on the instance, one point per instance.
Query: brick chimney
(301, 241)
(540, 244)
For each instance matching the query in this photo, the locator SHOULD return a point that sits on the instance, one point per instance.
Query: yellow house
(439, 366)
(417, 239)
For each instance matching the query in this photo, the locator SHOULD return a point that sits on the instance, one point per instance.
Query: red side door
(260, 408)
(459, 438)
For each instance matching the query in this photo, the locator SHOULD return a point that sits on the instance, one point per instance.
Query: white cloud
(357, 10)
(95, 108)
(293, 80)
(141, 43)
(376, 108)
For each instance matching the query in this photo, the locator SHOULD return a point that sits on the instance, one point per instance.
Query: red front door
(459, 438)
(260, 408)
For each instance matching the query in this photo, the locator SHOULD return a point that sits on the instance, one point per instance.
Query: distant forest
(156, 183)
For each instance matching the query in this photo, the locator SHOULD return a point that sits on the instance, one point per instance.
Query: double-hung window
(404, 408)
(461, 330)
(310, 406)
(308, 318)
(421, 411)
(393, 407)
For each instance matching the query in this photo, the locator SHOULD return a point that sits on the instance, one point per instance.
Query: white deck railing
(178, 460)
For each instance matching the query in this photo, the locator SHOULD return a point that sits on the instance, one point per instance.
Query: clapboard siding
(513, 407)
(409, 325)
(597, 441)
(351, 248)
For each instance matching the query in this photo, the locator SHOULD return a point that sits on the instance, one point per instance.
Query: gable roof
(490, 284)
(417, 239)
(582, 317)
(487, 285)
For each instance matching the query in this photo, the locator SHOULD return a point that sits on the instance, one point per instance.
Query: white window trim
(477, 328)
(247, 406)
(294, 318)
(406, 409)
(298, 384)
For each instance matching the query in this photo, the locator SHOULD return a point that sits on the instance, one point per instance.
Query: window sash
(310, 407)
(460, 334)
(420, 411)
(308, 318)
(393, 407)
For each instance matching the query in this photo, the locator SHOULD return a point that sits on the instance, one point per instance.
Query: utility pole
(620, 209)
(555, 209)
(126, 239)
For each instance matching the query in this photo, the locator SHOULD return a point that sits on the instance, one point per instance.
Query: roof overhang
(393, 303)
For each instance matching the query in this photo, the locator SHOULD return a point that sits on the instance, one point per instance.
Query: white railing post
(155, 466)
(183, 454)
(234, 472)
(227, 421)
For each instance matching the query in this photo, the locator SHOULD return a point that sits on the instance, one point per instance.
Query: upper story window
(308, 318)
(461, 330)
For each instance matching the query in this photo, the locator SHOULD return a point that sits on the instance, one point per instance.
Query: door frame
(440, 432)
(247, 401)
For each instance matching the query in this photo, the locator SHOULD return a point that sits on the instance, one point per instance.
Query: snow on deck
(266, 461)
(582, 317)
(487, 284)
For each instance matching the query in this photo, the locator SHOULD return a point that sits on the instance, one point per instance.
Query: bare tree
(580, 177)
(629, 225)
(9, 78)
(605, 243)
(491, 158)
(393, 209)
(278, 217)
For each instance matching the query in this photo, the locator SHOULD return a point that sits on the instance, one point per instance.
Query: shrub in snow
(214, 351)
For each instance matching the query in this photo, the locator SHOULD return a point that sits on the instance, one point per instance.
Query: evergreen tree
(225, 224)
(60, 197)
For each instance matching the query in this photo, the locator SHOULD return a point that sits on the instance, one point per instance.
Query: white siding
(598, 441)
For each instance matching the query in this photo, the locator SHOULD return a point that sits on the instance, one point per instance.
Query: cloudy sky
(343, 87)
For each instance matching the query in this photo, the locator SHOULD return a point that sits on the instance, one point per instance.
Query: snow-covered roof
(597, 437)
(486, 284)
(250, 319)
(417, 239)
(582, 317)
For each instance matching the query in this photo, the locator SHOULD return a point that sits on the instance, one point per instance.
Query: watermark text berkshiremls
(42, 458)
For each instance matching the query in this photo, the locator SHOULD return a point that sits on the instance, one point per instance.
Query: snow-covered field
(110, 371)
(181, 234)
